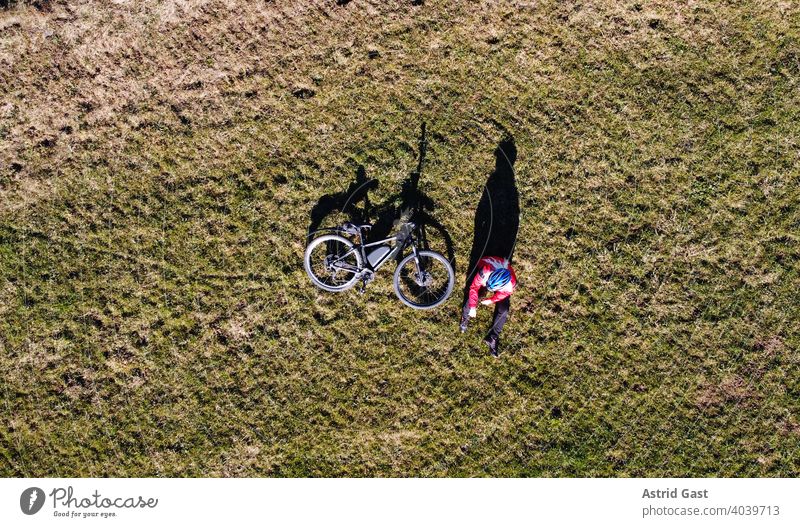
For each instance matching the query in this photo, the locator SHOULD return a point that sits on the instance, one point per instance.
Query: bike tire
(440, 299)
(316, 279)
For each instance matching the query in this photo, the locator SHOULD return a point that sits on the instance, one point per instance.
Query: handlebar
(352, 228)
(403, 232)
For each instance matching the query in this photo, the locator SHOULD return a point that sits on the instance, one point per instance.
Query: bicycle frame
(397, 248)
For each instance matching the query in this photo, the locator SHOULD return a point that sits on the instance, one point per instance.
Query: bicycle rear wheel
(424, 285)
(332, 263)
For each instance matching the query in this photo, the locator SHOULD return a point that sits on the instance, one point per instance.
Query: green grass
(155, 318)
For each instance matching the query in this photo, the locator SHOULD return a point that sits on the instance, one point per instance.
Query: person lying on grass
(496, 280)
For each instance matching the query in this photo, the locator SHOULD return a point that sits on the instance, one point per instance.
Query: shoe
(492, 343)
(463, 325)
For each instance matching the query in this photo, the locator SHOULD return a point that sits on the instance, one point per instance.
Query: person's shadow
(497, 215)
(411, 201)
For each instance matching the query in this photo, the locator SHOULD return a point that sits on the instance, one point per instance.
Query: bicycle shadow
(418, 206)
(497, 214)
(345, 202)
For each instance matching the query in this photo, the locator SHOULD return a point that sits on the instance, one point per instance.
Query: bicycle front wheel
(424, 282)
(332, 263)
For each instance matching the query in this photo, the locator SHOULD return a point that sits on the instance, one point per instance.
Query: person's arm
(497, 297)
(505, 292)
(477, 283)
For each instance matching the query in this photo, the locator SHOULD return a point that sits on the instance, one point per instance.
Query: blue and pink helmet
(498, 279)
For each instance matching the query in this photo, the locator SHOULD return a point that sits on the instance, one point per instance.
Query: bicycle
(422, 280)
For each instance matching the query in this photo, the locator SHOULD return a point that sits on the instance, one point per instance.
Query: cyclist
(496, 279)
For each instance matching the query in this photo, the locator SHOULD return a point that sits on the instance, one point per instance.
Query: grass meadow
(160, 161)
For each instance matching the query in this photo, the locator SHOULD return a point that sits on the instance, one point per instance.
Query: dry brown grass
(159, 161)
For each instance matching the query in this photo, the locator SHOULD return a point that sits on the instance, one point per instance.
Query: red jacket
(486, 265)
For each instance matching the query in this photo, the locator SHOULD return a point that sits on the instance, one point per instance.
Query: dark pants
(500, 316)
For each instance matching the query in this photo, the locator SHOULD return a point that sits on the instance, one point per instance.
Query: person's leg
(500, 317)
